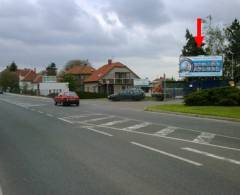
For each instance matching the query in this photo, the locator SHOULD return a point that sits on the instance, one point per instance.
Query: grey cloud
(13, 9)
(222, 11)
(149, 13)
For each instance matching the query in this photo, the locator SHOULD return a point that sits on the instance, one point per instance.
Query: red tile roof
(83, 69)
(23, 72)
(102, 71)
(29, 75)
(38, 79)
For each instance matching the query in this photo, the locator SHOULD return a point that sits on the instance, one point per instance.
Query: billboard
(201, 66)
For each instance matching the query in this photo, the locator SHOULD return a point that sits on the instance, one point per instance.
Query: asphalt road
(113, 148)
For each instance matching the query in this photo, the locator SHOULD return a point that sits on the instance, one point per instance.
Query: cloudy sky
(147, 35)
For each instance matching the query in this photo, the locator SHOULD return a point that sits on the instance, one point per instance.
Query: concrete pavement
(102, 149)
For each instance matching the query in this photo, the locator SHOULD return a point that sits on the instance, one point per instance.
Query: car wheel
(77, 104)
(55, 103)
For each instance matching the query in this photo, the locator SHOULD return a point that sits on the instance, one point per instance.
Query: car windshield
(70, 93)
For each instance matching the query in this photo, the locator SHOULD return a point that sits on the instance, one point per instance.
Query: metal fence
(174, 92)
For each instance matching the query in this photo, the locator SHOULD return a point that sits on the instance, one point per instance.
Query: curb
(195, 115)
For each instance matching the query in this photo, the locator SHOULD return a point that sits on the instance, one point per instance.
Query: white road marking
(98, 119)
(115, 122)
(40, 112)
(50, 115)
(167, 154)
(65, 120)
(166, 131)
(32, 109)
(204, 137)
(97, 131)
(81, 116)
(212, 155)
(137, 126)
(171, 138)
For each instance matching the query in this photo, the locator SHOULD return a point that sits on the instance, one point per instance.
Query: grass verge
(219, 111)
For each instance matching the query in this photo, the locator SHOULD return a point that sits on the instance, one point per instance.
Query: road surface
(113, 148)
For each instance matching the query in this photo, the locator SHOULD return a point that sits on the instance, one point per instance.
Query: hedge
(227, 96)
(89, 95)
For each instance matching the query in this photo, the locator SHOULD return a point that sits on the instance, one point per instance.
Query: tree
(191, 49)
(232, 51)
(214, 37)
(73, 63)
(13, 67)
(9, 80)
(51, 69)
(70, 80)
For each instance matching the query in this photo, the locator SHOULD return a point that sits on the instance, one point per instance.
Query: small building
(49, 85)
(32, 83)
(81, 73)
(110, 78)
(28, 79)
(143, 84)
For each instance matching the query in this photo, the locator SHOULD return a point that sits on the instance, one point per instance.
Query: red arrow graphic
(199, 38)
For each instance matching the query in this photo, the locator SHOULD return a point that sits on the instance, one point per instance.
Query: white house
(49, 85)
(110, 78)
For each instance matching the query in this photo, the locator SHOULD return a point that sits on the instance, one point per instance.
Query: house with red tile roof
(28, 79)
(110, 78)
(81, 73)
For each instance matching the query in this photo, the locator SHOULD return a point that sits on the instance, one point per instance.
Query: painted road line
(98, 119)
(170, 138)
(167, 154)
(33, 109)
(115, 122)
(81, 116)
(97, 131)
(50, 115)
(137, 126)
(204, 137)
(65, 120)
(40, 112)
(165, 131)
(212, 155)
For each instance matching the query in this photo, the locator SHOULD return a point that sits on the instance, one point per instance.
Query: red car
(67, 98)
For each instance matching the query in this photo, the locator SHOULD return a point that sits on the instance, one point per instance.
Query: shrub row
(227, 96)
(89, 95)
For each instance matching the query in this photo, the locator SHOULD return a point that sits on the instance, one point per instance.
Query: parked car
(128, 94)
(67, 98)
(1, 91)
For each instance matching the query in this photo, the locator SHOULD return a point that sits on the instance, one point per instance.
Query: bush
(227, 96)
(89, 95)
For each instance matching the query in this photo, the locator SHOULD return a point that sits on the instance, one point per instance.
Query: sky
(146, 35)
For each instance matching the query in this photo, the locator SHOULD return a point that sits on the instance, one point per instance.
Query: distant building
(110, 78)
(143, 84)
(81, 73)
(49, 85)
(30, 81)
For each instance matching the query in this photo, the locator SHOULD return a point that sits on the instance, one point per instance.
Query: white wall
(91, 87)
(47, 88)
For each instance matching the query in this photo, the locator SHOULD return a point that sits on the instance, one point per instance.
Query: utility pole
(164, 86)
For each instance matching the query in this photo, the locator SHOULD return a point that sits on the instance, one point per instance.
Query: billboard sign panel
(201, 66)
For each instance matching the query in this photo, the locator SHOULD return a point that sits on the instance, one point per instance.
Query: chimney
(109, 61)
